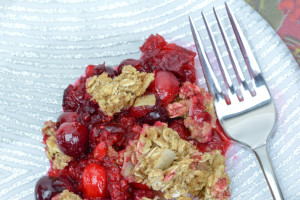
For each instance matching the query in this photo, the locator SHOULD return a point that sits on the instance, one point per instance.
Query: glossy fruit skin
(47, 187)
(72, 138)
(159, 114)
(94, 181)
(66, 117)
(166, 86)
(178, 126)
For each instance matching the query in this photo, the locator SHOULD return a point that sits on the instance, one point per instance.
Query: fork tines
(252, 65)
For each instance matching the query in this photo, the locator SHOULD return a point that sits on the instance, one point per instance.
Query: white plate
(45, 45)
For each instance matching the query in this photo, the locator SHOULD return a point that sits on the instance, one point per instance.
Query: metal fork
(247, 112)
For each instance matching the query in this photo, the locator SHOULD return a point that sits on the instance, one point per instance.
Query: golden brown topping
(49, 128)
(59, 160)
(146, 100)
(114, 94)
(67, 195)
(167, 163)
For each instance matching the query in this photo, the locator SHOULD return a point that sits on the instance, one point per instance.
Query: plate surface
(45, 45)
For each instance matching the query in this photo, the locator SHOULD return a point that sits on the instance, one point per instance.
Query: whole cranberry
(72, 138)
(66, 117)
(94, 181)
(47, 187)
(166, 86)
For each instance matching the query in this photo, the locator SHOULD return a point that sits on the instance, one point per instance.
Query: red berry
(47, 187)
(94, 181)
(178, 126)
(159, 114)
(166, 86)
(89, 71)
(72, 138)
(100, 151)
(66, 117)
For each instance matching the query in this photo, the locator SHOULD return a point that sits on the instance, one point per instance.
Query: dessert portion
(142, 131)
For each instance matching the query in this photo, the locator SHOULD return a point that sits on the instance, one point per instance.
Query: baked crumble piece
(165, 162)
(196, 106)
(114, 94)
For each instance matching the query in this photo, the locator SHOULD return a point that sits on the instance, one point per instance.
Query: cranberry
(89, 71)
(69, 101)
(47, 187)
(94, 181)
(112, 133)
(125, 119)
(66, 117)
(100, 69)
(74, 96)
(152, 45)
(159, 114)
(178, 126)
(100, 151)
(168, 57)
(72, 138)
(166, 86)
(135, 63)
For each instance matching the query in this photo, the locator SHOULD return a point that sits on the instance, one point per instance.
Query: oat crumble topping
(59, 159)
(194, 99)
(147, 100)
(114, 94)
(167, 163)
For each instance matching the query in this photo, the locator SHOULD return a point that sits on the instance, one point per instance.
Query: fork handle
(266, 165)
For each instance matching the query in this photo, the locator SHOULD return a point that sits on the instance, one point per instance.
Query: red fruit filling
(94, 139)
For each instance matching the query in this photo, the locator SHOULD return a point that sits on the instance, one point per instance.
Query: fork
(246, 112)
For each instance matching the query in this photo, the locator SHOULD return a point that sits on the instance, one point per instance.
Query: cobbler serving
(143, 130)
